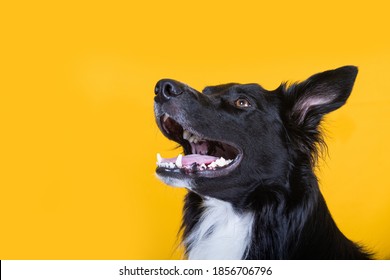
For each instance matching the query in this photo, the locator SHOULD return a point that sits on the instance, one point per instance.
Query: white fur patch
(221, 233)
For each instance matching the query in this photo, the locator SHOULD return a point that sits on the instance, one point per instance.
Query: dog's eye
(242, 103)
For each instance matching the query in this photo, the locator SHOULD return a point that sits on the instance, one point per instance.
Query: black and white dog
(248, 165)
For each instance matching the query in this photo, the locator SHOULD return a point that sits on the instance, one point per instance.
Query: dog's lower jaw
(221, 232)
(175, 182)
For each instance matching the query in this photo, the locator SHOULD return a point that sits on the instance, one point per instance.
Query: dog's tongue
(191, 159)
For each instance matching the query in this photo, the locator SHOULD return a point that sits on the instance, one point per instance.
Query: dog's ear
(320, 94)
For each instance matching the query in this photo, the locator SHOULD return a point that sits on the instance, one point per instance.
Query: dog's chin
(176, 182)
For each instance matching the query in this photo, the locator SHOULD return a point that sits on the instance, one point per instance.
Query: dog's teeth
(165, 117)
(179, 161)
(221, 162)
(191, 137)
(186, 134)
(170, 165)
(159, 159)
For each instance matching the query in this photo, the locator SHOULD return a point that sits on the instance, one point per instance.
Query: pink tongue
(194, 158)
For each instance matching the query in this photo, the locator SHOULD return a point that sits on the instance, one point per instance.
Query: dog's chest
(221, 233)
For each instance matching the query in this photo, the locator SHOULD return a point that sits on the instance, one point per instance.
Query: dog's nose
(168, 88)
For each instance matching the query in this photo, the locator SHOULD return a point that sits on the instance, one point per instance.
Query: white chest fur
(221, 233)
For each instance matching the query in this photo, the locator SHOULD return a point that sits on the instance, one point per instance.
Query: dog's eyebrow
(235, 87)
(251, 87)
(218, 88)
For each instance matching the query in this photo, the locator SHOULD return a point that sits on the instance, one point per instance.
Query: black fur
(279, 139)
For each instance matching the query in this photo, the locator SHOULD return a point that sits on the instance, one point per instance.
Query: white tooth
(225, 161)
(165, 117)
(159, 158)
(186, 134)
(191, 139)
(220, 162)
(203, 166)
(179, 161)
(171, 165)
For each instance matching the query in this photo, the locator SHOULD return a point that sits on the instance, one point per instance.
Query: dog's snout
(167, 89)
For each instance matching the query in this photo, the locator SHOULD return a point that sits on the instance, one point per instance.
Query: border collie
(248, 159)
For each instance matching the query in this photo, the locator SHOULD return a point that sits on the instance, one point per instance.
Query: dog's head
(239, 136)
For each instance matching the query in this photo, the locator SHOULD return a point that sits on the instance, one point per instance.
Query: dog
(248, 162)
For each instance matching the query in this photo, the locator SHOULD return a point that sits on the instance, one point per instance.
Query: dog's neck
(221, 232)
(215, 229)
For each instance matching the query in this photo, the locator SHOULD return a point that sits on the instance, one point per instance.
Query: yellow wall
(77, 134)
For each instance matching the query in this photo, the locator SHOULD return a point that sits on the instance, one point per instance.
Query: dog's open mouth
(201, 155)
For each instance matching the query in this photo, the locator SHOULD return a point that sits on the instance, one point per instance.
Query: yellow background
(77, 134)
